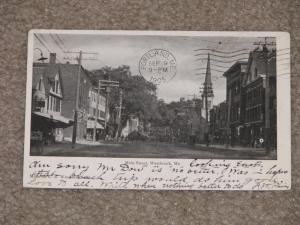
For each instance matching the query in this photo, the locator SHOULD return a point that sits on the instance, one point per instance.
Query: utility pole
(205, 95)
(206, 108)
(267, 91)
(76, 102)
(79, 60)
(97, 111)
(106, 106)
(108, 84)
(119, 114)
(194, 99)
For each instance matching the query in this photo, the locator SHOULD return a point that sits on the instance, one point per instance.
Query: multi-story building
(68, 75)
(94, 112)
(235, 102)
(47, 96)
(218, 123)
(261, 66)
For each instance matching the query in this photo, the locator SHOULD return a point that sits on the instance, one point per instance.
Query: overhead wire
(223, 52)
(61, 41)
(43, 41)
(203, 54)
(220, 61)
(58, 58)
(56, 42)
(211, 69)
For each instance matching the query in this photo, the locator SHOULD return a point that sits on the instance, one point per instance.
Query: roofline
(62, 64)
(239, 62)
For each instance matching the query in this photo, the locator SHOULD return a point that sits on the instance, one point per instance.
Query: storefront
(90, 130)
(50, 126)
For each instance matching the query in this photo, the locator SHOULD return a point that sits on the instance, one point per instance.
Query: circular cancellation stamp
(158, 66)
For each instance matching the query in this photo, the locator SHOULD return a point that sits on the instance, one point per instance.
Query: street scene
(154, 96)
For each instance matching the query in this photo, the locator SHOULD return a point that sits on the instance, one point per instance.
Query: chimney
(52, 58)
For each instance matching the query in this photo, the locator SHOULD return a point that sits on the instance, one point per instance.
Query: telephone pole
(206, 108)
(264, 44)
(97, 110)
(74, 134)
(119, 114)
(194, 99)
(102, 85)
(108, 84)
(79, 60)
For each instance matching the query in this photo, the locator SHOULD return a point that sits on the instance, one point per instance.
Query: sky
(117, 50)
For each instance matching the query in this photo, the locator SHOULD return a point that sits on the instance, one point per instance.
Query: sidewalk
(82, 141)
(240, 150)
(230, 148)
(66, 146)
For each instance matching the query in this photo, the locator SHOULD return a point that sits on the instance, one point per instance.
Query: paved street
(153, 150)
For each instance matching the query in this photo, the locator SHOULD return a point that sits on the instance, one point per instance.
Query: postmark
(158, 66)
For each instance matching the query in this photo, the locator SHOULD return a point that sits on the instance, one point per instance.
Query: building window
(40, 85)
(56, 86)
(102, 114)
(50, 100)
(255, 73)
(57, 106)
(208, 104)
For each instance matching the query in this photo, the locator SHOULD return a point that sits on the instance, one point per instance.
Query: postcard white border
(283, 104)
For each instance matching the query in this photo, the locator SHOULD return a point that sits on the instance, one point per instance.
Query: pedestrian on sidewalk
(207, 139)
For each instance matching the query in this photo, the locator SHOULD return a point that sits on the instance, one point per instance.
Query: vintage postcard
(172, 110)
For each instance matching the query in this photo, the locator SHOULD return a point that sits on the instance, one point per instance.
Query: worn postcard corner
(158, 110)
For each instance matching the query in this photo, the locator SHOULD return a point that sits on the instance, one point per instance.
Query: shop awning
(57, 121)
(91, 124)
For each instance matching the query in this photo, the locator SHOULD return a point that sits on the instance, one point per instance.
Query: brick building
(254, 86)
(235, 101)
(48, 94)
(218, 123)
(68, 82)
(245, 102)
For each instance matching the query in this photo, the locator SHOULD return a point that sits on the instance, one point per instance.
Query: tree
(139, 95)
(140, 100)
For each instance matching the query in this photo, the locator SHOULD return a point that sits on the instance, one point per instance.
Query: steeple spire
(207, 94)
(208, 83)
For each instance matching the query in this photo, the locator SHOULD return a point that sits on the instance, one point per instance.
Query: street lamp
(42, 58)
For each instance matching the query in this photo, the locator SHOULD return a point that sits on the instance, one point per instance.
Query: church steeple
(208, 83)
(207, 93)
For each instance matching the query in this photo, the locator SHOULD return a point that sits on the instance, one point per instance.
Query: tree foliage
(139, 95)
(139, 99)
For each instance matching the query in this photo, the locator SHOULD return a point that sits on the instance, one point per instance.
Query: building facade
(63, 102)
(47, 100)
(218, 123)
(244, 117)
(235, 101)
(97, 114)
(261, 66)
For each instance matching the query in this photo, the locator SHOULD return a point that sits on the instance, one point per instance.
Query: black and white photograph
(155, 110)
(145, 96)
